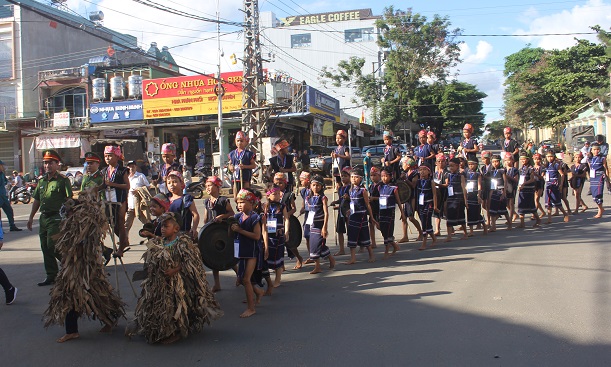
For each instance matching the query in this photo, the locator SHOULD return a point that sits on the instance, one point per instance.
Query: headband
(246, 195)
(280, 176)
(422, 133)
(304, 175)
(281, 145)
(242, 135)
(215, 181)
(272, 190)
(468, 127)
(176, 174)
(425, 168)
(440, 156)
(387, 133)
(373, 170)
(342, 133)
(162, 200)
(347, 169)
(486, 154)
(168, 148)
(507, 130)
(430, 133)
(110, 149)
(317, 179)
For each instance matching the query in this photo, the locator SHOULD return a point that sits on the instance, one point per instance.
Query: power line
(167, 9)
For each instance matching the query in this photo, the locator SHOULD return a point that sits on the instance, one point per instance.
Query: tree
(544, 88)
(417, 50)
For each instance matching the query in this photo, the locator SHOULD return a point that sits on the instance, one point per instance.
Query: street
(525, 297)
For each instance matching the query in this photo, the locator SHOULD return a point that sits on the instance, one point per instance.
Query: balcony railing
(75, 123)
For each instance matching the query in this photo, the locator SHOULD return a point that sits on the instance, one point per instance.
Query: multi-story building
(300, 46)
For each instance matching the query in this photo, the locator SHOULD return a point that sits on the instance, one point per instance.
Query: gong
(405, 191)
(215, 243)
(295, 234)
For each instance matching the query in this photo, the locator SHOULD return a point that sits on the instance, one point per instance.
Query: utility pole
(219, 94)
(252, 121)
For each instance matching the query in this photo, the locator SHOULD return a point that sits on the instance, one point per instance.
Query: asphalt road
(512, 298)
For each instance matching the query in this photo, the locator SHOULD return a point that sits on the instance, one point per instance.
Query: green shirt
(92, 180)
(52, 193)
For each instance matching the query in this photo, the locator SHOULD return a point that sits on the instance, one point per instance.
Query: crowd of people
(424, 189)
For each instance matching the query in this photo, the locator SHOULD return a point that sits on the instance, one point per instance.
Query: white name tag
(352, 208)
(419, 161)
(522, 180)
(437, 181)
(272, 224)
(310, 219)
(421, 199)
(383, 203)
(470, 186)
(111, 194)
(547, 176)
(236, 248)
(592, 173)
(450, 191)
(494, 183)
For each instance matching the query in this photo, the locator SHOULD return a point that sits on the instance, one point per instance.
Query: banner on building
(115, 111)
(58, 141)
(190, 95)
(322, 105)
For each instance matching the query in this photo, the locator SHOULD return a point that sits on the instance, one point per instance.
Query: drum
(215, 244)
(344, 207)
(405, 191)
(296, 233)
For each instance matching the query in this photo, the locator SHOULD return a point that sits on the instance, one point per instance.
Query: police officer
(50, 194)
(93, 176)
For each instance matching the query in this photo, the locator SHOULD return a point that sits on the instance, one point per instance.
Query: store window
(301, 40)
(359, 35)
(72, 100)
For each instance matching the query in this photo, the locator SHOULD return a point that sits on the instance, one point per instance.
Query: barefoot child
(424, 154)
(340, 157)
(340, 225)
(456, 200)
(578, 173)
(288, 199)
(468, 147)
(526, 186)
(497, 202)
(554, 180)
(426, 197)
(248, 248)
(474, 197)
(241, 162)
(216, 209)
(539, 182)
(304, 192)
(374, 197)
(512, 175)
(440, 178)
(318, 219)
(484, 170)
(358, 230)
(411, 176)
(277, 222)
(176, 279)
(599, 172)
(159, 204)
(182, 204)
(389, 197)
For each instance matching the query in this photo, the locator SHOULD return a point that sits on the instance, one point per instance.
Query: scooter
(196, 189)
(20, 194)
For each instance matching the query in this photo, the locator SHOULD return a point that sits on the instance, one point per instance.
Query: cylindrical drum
(117, 88)
(99, 89)
(134, 86)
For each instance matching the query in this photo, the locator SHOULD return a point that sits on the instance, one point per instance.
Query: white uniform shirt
(135, 181)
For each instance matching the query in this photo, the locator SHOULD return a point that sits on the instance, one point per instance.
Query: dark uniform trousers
(49, 227)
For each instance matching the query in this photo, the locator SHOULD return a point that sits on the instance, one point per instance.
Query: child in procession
(241, 163)
(539, 182)
(216, 209)
(411, 177)
(474, 197)
(497, 200)
(182, 204)
(456, 200)
(599, 173)
(374, 195)
(440, 178)
(318, 220)
(389, 198)
(277, 224)
(426, 197)
(248, 248)
(360, 209)
(511, 185)
(341, 220)
(578, 173)
(554, 180)
(526, 186)
(288, 200)
(484, 170)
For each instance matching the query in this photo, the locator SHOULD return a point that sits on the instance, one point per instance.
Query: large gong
(296, 233)
(216, 246)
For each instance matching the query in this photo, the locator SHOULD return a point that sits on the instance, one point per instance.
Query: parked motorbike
(31, 186)
(20, 194)
(196, 189)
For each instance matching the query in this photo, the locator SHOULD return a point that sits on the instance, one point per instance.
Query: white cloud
(578, 19)
(482, 51)
(153, 25)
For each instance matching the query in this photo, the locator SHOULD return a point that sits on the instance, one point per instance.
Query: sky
(490, 32)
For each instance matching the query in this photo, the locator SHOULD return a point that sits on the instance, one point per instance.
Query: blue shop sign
(115, 111)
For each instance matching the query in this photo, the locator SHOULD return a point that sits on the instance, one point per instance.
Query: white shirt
(18, 181)
(135, 181)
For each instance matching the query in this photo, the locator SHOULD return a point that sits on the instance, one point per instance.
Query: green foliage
(545, 87)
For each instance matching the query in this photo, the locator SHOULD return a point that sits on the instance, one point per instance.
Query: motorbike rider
(17, 183)
(5, 203)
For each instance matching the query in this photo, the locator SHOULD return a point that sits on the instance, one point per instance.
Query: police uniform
(92, 179)
(51, 193)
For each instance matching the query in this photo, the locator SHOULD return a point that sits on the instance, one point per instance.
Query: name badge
(547, 176)
(310, 219)
(272, 224)
(383, 203)
(522, 180)
(111, 194)
(419, 161)
(421, 199)
(592, 173)
(494, 183)
(236, 248)
(352, 208)
(470, 186)
(450, 191)
(437, 181)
